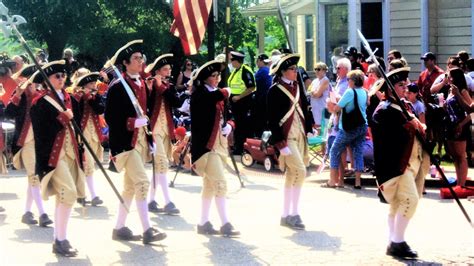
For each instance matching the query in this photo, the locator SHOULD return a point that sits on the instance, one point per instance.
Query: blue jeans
(354, 138)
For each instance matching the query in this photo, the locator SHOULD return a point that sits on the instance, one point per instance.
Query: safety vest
(236, 84)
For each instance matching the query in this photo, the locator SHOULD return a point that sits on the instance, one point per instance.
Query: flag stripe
(190, 22)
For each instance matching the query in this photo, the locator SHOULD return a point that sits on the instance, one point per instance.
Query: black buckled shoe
(207, 229)
(153, 207)
(401, 250)
(27, 218)
(295, 222)
(44, 220)
(227, 230)
(125, 234)
(171, 209)
(63, 248)
(152, 235)
(96, 201)
(82, 201)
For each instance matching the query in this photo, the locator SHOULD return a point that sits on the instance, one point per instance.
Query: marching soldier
(160, 103)
(289, 123)
(87, 106)
(400, 162)
(23, 145)
(57, 155)
(242, 84)
(209, 149)
(129, 144)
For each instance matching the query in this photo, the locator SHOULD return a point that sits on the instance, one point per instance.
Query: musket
(9, 25)
(182, 155)
(422, 140)
(226, 29)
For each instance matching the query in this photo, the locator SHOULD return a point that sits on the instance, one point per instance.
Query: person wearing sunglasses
(209, 147)
(57, 155)
(320, 88)
(184, 75)
(242, 84)
(289, 121)
(23, 145)
(163, 98)
(130, 145)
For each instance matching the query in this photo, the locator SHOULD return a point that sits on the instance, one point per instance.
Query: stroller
(258, 150)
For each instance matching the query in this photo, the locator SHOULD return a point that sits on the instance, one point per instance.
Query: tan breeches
(66, 182)
(135, 181)
(89, 163)
(25, 158)
(294, 164)
(404, 191)
(162, 154)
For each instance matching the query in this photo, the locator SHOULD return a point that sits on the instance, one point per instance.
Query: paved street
(344, 227)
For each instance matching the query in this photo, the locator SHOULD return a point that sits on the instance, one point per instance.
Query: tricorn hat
(126, 51)
(207, 69)
(5, 61)
(283, 63)
(165, 59)
(50, 69)
(395, 76)
(90, 77)
(25, 72)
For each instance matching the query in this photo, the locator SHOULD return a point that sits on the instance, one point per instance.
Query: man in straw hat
(160, 103)
(400, 162)
(57, 155)
(289, 122)
(87, 106)
(128, 140)
(23, 145)
(209, 149)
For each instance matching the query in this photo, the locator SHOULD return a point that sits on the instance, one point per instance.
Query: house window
(309, 45)
(336, 33)
(371, 26)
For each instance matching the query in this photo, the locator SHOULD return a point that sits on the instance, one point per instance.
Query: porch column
(261, 34)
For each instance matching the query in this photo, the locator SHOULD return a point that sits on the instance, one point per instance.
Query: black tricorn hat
(91, 77)
(25, 72)
(284, 62)
(165, 59)
(207, 69)
(5, 61)
(125, 52)
(395, 76)
(50, 69)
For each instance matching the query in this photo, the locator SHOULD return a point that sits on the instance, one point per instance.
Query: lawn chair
(317, 145)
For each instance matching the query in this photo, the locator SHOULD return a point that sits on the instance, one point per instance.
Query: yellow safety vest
(236, 84)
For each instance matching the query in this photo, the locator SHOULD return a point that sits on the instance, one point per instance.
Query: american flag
(190, 20)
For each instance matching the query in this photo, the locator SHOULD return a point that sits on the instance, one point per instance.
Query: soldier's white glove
(141, 122)
(285, 151)
(226, 130)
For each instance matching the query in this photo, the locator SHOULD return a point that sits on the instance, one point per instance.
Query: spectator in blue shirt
(263, 81)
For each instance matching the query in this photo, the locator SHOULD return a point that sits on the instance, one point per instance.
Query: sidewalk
(343, 227)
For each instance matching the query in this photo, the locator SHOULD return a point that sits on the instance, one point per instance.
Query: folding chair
(317, 144)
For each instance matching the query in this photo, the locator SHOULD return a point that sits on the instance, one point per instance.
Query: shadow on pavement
(174, 223)
(140, 254)
(70, 261)
(92, 213)
(317, 240)
(34, 234)
(2, 219)
(417, 262)
(228, 251)
(188, 188)
(8, 196)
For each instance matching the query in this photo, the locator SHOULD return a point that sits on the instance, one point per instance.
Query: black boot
(171, 209)
(153, 207)
(63, 248)
(44, 220)
(125, 234)
(152, 235)
(401, 250)
(96, 201)
(207, 229)
(227, 230)
(294, 222)
(27, 218)
(82, 201)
